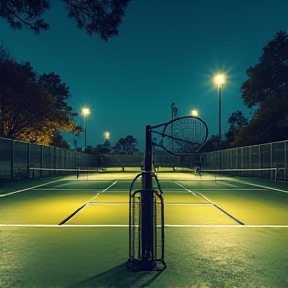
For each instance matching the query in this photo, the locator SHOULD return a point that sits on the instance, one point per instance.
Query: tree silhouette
(266, 90)
(100, 17)
(237, 122)
(30, 110)
(126, 146)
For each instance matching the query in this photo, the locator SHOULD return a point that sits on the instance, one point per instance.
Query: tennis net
(273, 174)
(35, 172)
(263, 173)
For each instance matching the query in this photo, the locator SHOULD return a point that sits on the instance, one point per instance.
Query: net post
(146, 259)
(177, 131)
(147, 206)
(77, 172)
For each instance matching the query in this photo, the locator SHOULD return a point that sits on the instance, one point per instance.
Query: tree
(77, 130)
(268, 78)
(101, 17)
(58, 141)
(62, 113)
(266, 90)
(237, 121)
(211, 144)
(29, 110)
(101, 149)
(268, 125)
(126, 146)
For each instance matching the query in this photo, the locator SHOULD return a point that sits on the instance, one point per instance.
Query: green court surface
(69, 232)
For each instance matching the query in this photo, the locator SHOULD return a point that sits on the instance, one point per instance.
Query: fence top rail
(247, 146)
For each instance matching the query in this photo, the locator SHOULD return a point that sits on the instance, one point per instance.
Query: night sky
(167, 51)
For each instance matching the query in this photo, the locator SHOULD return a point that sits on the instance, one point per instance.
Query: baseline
(126, 225)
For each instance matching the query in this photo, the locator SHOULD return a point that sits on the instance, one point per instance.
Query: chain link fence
(16, 159)
(257, 157)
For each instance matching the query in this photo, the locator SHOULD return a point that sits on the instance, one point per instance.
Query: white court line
(221, 182)
(109, 186)
(107, 203)
(266, 187)
(126, 226)
(185, 188)
(218, 189)
(81, 189)
(166, 191)
(26, 189)
(102, 191)
(193, 204)
(66, 189)
(222, 210)
(71, 216)
(230, 226)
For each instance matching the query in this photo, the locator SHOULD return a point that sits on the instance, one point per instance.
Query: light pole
(219, 80)
(85, 112)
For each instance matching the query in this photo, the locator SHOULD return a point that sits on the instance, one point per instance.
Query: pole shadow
(119, 276)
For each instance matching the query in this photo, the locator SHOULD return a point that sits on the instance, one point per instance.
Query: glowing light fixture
(219, 79)
(107, 135)
(86, 111)
(194, 113)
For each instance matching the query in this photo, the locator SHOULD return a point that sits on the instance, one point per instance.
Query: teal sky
(167, 51)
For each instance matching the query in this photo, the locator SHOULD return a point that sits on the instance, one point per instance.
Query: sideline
(266, 187)
(26, 189)
(190, 191)
(222, 210)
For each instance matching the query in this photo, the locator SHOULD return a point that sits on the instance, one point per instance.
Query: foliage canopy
(266, 90)
(126, 145)
(100, 17)
(32, 107)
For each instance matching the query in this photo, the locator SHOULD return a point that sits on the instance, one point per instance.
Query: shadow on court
(121, 276)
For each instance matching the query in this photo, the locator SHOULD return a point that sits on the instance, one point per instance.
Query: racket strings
(184, 136)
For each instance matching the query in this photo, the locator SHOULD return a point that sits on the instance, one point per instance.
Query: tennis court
(73, 232)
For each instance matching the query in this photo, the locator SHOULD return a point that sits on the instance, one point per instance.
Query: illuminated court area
(74, 232)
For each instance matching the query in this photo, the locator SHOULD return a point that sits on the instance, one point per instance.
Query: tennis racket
(182, 135)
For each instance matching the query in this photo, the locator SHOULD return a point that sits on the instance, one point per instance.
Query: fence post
(271, 160)
(11, 159)
(285, 161)
(28, 160)
(276, 173)
(55, 158)
(260, 160)
(242, 160)
(41, 160)
(250, 157)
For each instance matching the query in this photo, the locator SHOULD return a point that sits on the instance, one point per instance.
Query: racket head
(182, 136)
